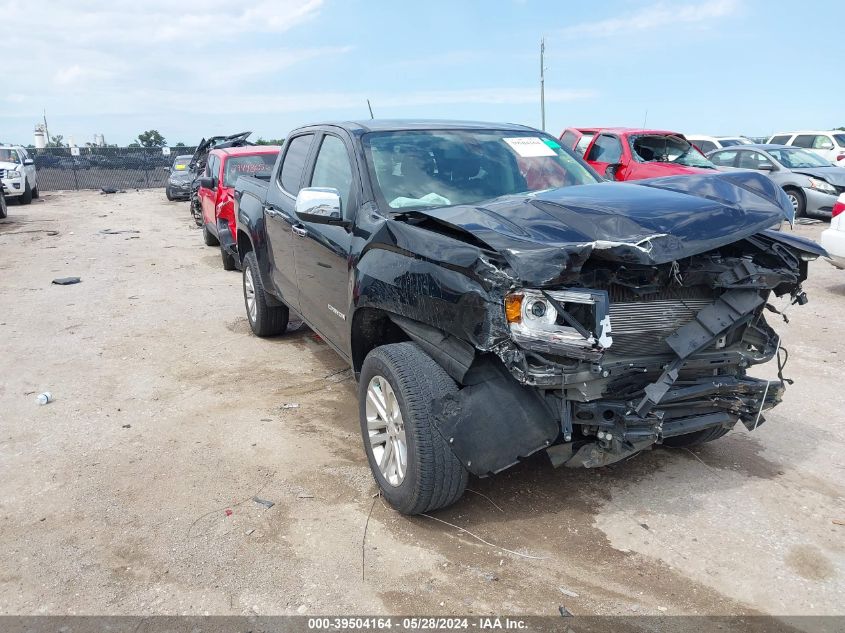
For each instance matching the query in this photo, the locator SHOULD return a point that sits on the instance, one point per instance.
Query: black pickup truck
(494, 298)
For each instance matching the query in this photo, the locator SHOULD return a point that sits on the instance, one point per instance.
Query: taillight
(839, 206)
(840, 157)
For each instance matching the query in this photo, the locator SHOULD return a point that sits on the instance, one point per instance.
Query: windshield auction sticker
(529, 146)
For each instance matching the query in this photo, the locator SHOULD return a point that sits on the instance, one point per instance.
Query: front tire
(26, 197)
(410, 461)
(168, 194)
(264, 319)
(208, 237)
(799, 204)
(35, 193)
(4, 212)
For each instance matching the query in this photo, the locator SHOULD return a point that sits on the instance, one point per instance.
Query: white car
(709, 143)
(17, 173)
(829, 144)
(833, 239)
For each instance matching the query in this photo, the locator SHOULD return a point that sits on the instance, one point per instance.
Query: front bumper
(181, 189)
(818, 202)
(14, 186)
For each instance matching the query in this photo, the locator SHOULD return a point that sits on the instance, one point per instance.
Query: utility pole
(542, 85)
(46, 130)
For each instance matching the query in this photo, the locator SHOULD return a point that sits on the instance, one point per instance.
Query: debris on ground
(304, 495)
(66, 281)
(106, 190)
(567, 592)
(44, 398)
(127, 426)
(264, 502)
(229, 512)
(290, 405)
(807, 221)
(564, 612)
(118, 231)
(839, 521)
(249, 532)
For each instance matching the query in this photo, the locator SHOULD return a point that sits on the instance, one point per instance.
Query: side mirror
(208, 182)
(28, 161)
(319, 205)
(766, 167)
(612, 170)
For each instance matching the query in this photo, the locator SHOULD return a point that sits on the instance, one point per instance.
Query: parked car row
(494, 296)
(807, 176)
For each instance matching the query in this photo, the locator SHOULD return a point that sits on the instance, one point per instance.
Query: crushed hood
(547, 236)
(833, 175)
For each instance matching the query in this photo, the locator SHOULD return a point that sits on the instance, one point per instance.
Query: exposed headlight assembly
(572, 323)
(822, 185)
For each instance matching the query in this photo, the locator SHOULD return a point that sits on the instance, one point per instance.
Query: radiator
(640, 328)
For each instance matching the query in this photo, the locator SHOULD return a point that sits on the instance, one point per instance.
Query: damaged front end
(634, 343)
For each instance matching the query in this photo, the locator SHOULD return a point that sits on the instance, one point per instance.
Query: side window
(568, 139)
(21, 156)
(332, 169)
(822, 142)
(751, 160)
(584, 143)
(779, 140)
(606, 149)
(704, 146)
(293, 163)
(804, 140)
(724, 159)
(209, 166)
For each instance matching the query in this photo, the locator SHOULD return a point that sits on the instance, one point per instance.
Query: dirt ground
(132, 492)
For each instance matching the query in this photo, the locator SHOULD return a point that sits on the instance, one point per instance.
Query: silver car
(811, 182)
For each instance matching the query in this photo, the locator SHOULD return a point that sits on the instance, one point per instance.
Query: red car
(578, 138)
(217, 193)
(631, 154)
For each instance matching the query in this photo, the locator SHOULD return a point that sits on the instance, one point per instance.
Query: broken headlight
(564, 322)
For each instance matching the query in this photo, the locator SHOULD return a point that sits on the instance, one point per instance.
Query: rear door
(279, 217)
(322, 251)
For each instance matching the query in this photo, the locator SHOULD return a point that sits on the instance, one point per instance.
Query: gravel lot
(168, 414)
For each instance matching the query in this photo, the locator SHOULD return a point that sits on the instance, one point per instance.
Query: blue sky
(199, 67)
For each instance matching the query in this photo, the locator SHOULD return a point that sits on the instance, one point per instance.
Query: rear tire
(696, 438)
(432, 477)
(4, 212)
(26, 197)
(35, 193)
(229, 262)
(799, 204)
(208, 237)
(264, 319)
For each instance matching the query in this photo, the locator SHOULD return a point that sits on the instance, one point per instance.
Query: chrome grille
(2, 173)
(641, 327)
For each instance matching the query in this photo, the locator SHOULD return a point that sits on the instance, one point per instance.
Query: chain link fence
(98, 167)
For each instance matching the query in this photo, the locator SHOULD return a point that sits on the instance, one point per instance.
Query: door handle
(270, 210)
(299, 231)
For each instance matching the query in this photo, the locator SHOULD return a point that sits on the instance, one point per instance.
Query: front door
(208, 197)
(322, 251)
(605, 150)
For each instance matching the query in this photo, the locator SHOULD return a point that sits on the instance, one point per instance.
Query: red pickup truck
(632, 154)
(217, 193)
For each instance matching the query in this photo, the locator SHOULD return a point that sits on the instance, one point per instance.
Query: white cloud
(655, 16)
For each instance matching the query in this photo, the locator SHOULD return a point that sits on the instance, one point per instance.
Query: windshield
(181, 163)
(666, 148)
(436, 168)
(257, 165)
(798, 158)
(8, 156)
